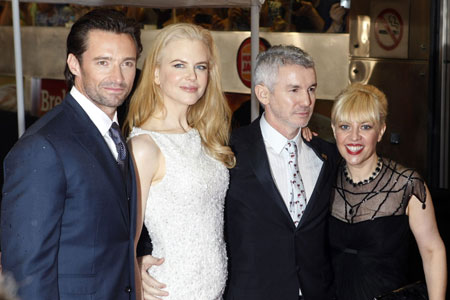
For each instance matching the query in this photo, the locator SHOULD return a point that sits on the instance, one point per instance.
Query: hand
(219, 24)
(337, 13)
(307, 134)
(235, 13)
(151, 287)
(308, 11)
(305, 9)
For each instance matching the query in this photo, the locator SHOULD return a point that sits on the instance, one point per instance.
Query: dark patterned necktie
(118, 139)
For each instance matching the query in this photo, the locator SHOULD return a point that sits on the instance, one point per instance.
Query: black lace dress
(369, 231)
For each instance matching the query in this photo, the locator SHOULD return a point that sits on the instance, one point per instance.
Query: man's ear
(157, 79)
(73, 64)
(262, 93)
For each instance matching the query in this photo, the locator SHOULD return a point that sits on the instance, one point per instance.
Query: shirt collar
(100, 118)
(274, 139)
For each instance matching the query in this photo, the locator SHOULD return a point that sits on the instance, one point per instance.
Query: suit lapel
(85, 131)
(132, 194)
(315, 195)
(261, 167)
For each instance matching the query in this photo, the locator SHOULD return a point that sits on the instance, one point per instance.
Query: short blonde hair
(360, 102)
(211, 115)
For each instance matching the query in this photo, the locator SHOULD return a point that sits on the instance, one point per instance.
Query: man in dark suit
(278, 199)
(69, 197)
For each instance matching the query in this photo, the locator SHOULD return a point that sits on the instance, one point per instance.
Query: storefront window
(314, 16)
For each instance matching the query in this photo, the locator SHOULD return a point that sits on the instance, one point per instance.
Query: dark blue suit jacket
(269, 258)
(68, 215)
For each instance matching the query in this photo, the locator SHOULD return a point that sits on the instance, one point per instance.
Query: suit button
(128, 289)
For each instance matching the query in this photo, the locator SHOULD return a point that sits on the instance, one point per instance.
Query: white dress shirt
(308, 162)
(100, 118)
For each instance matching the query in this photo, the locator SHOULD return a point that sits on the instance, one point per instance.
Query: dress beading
(184, 217)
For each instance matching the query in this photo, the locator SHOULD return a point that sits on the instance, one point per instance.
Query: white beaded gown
(184, 217)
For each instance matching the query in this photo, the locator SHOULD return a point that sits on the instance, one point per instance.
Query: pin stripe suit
(68, 215)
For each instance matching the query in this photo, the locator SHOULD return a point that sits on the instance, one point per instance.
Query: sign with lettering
(46, 94)
(244, 60)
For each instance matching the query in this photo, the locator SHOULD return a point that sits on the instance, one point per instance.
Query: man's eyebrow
(110, 58)
(103, 58)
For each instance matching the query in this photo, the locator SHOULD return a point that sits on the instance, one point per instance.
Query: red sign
(244, 60)
(47, 93)
(388, 29)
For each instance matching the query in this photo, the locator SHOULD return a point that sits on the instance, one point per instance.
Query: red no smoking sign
(389, 29)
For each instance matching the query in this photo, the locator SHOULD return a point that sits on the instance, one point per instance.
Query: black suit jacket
(68, 215)
(270, 258)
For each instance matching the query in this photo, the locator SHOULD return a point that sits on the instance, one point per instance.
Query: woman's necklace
(365, 181)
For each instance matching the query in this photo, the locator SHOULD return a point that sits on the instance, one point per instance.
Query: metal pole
(19, 73)
(445, 96)
(255, 50)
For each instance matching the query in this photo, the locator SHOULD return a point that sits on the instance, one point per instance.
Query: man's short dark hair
(99, 19)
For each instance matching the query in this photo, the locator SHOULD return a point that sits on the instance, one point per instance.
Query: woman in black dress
(376, 204)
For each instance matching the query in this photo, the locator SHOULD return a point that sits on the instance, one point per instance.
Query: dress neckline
(189, 132)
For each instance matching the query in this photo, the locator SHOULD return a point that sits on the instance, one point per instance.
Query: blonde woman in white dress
(179, 124)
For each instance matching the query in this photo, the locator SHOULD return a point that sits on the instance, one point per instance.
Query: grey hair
(268, 63)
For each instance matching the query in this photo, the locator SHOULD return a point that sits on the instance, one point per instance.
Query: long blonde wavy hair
(210, 115)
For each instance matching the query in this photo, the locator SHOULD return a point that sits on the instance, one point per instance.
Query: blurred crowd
(276, 15)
